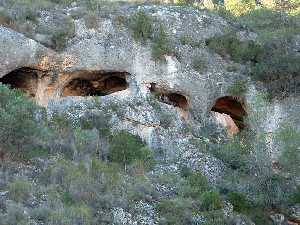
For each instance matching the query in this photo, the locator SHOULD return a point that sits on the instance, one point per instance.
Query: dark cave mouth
(24, 79)
(95, 84)
(171, 98)
(232, 107)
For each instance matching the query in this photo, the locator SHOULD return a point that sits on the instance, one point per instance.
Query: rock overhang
(110, 48)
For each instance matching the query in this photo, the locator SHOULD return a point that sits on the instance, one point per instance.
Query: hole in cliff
(233, 110)
(170, 98)
(24, 79)
(95, 83)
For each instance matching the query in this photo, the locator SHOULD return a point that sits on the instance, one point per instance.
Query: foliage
(239, 7)
(186, 40)
(295, 196)
(193, 197)
(254, 195)
(276, 67)
(288, 139)
(185, 2)
(273, 62)
(59, 40)
(126, 148)
(234, 153)
(161, 44)
(199, 64)
(18, 115)
(211, 200)
(196, 184)
(269, 24)
(15, 215)
(175, 211)
(20, 190)
(238, 88)
(141, 25)
(239, 202)
(5, 18)
(239, 51)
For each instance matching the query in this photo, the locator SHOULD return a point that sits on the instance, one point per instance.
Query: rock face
(227, 122)
(166, 102)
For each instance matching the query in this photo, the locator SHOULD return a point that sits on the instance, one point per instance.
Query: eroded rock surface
(105, 61)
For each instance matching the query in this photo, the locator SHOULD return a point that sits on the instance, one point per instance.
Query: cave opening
(95, 84)
(170, 98)
(24, 79)
(232, 110)
(174, 99)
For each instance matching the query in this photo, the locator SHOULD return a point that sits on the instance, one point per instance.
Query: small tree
(288, 139)
(126, 148)
(20, 130)
(141, 25)
(161, 45)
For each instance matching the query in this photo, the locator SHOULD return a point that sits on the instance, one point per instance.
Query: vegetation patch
(238, 88)
(161, 44)
(126, 149)
(200, 65)
(141, 26)
(238, 51)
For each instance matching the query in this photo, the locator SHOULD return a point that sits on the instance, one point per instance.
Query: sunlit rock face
(227, 122)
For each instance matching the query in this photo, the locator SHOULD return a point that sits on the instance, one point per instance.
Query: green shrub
(20, 190)
(211, 200)
(62, 2)
(100, 170)
(59, 40)
(185, 2)
(5, 18)
(239, 7)
(18, 116)
(288, 139)
(238, 88)
(79, 214)
(269, 24)
(15, 215)
(186, 40)
(91, 20)
(239, 202)
(276, 66)
(260, 216)
(272, 61)
(234, 153)
(175, 211)
(270, 190)
(200, 65)
(141, 25)
(92, 4)
(279, 72)
(161, 44)
(215, 217)
(239, 51)
(41, 213)
(198, 184)
(140, 188)
(295, 196)
(126, 148)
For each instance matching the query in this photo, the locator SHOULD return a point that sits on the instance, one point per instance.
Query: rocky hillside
(147, 113)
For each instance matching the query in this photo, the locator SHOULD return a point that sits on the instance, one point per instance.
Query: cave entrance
(170, 98)
(95, 84)
(232, 111)
(24, 79)
(174, 99)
